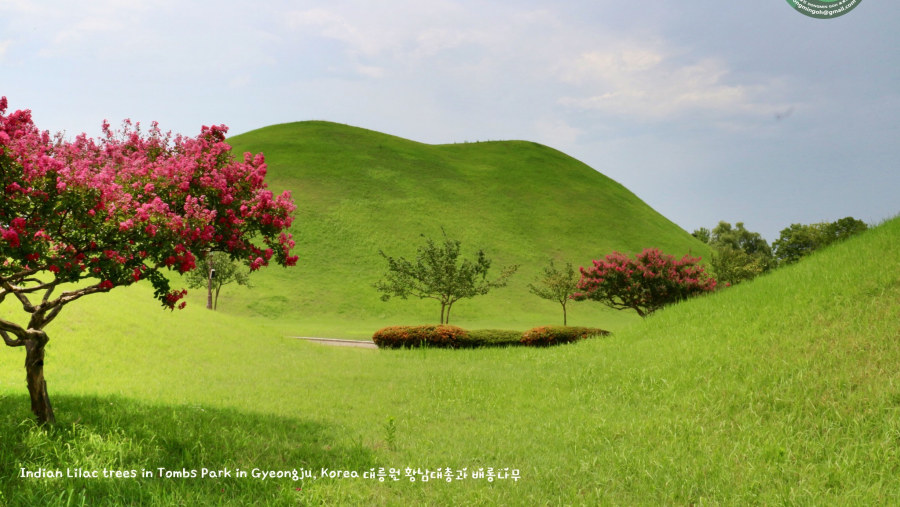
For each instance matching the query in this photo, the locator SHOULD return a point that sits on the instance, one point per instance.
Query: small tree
(644, 284)
(557, 285)
(219, 271)
(438, 274)
(82, 217)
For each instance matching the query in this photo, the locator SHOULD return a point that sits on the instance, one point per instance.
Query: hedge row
(445, 336)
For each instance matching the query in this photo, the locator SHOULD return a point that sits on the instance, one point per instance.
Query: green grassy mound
(360, 191)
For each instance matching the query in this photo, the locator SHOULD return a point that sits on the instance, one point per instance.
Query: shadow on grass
(113, 434)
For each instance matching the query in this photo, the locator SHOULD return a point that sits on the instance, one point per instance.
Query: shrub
(644, 284)
(445, 336)
(396, 337)
(554, 335)
(493, 338)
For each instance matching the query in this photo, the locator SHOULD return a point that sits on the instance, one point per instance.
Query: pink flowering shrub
(111, 212)
(645, 283)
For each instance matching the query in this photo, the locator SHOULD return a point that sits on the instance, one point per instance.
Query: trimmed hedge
(445, 336)
(554, 335)
(396, 337)
(494, 338)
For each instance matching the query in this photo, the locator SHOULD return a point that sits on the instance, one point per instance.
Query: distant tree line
(739, 254)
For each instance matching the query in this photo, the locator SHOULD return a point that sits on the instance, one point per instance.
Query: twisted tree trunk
(34, 377)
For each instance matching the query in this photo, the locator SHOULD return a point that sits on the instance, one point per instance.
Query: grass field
(782, 390)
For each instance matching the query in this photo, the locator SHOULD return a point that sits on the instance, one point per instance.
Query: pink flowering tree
(645, 283)
(81, 217)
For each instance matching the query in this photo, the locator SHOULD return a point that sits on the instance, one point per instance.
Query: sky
(742, 111)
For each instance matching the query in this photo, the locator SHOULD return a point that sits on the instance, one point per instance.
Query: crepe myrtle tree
(645, 283)
(81, 217)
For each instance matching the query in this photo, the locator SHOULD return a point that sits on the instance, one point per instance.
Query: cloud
(4, 47)
(650, 83)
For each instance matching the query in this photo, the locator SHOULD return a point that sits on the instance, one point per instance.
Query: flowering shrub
(443, 336)
(644, 284)
(112, 212)
(555, 335)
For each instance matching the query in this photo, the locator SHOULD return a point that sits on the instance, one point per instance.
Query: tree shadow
(161, 452)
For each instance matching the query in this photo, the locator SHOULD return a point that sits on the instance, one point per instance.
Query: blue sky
(707, 110)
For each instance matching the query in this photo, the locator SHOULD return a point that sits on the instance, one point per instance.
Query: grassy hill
(781, 390)
(360, 191)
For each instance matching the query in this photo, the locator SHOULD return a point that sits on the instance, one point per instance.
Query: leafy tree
(800, 240)
(220, 271)
(645, 283)
(739, 238)
(738, 254)
(844, 228)
(437, 273)
(703, 234)
(557, 285)
(82, 217)
(734, 266)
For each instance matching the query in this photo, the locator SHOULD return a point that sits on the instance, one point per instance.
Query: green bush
(493, 338)
(555, 335)
(396, 337)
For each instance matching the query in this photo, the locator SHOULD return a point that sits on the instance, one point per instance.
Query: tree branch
(7, 327)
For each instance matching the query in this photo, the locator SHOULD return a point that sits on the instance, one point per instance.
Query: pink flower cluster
(121, 207)
(646, 283)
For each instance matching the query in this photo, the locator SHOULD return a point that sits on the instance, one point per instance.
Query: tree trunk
(34, 376)
(209, 275)
(564, 315)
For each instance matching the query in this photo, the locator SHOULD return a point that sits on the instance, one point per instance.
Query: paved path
(364, 344)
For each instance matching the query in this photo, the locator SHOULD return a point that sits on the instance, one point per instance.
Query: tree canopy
(557, 284)
(645, 283)
(438, 273)
(84, 216)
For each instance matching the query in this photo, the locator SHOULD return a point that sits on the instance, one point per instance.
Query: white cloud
(4, 47)
(650, 83)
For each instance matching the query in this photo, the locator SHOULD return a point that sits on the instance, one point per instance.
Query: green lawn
(782, 390)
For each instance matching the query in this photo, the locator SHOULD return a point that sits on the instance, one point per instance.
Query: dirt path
(363, 344)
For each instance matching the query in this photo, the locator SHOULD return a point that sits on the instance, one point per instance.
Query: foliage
(799, 240)
(110, 213)
(738, 254)
(226, 271)
(555, 335)
(452, 337)
(557, 285)
(442, 336)
(438, 274)
(645, 283)
(731, 266)
(493, 338)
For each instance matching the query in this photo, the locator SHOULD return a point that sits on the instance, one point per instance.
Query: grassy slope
(783, 390)
(360, 191)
